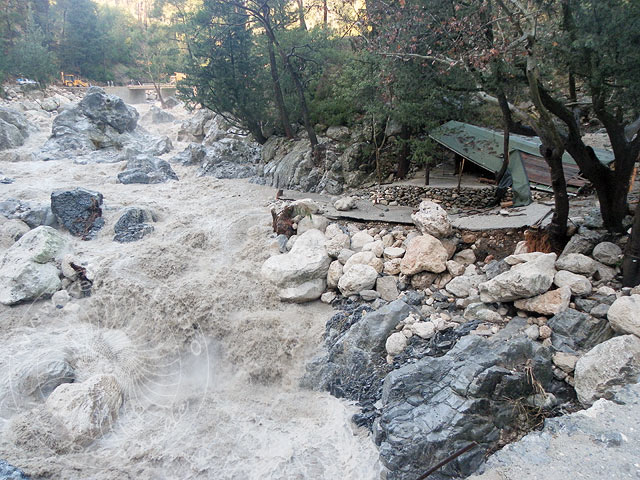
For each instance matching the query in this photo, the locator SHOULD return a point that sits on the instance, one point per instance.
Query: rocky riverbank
(443, 348)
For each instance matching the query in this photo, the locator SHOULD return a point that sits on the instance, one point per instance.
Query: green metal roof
(485, 147)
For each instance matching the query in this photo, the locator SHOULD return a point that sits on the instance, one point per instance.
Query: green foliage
(30, 57)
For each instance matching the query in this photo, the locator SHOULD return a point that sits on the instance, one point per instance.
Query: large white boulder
(606, 367)
(301, 274)
(25, 273)
(624, 315)
(425, 253)
(359, 277)
(432, 219)
(86, 409)
(523, 280)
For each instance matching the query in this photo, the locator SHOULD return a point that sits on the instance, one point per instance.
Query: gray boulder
(437, 405)
(79, 211)
(523, 280)
(606, 367)
(607, 253)
(33, 215)
(157, 115)
(133, 225)
(582, 242)
(147, 169)
(624, 315)
(14, 128)
(432, 219)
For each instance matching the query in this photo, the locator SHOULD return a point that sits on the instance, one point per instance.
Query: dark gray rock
(79, 211)
(133, 225)
(171, 102)
(353, 365)
(495, 268)
(413, 297)
(585, 304)
(10, 136)
(147, 169)
(17, 119)
(437, 405)
(9, 472)
(574, 331)
(32, 215)
(583, 242)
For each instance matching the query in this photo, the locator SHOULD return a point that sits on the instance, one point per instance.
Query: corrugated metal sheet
(538, 171)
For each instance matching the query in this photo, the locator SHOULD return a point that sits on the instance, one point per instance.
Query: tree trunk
(403, 157)
(325, 14)
(558, 227)
(427, 173)
(631, 261)
(303, 24)
(279, 99)
(256, 131)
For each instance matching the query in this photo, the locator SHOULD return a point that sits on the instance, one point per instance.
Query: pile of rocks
(447, 340)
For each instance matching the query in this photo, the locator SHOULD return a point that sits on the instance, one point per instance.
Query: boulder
(86, 409)
(364, 258)
(193, 129)
(575, 331)
(550, 303)
(345, 203)
(337, 243)
(462, 286)
(14, 128)
(578, 284)
(387, 287)
(390, 253)
(157, 115)
(133, 224)
(338, 133)
(576, 263)
(230, 158)
(33, 215)
(432, 219)
(396, 343)
(481, 312)
(301, 274)
(147, 169)
(624, 315)
(521, 281)
(359, 240)
(25, 273)
(582, 242)
(425, 253)
(377, 247)
(79, 211)
(11, 231)
(607, 367)
(108, 110)
(518, 258)
(334, 274)
(454, 268)
(607, 253)
(357, 278)
(465, 257)
(309, 222)
(436, 404)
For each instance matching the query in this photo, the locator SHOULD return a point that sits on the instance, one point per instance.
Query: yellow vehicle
(173, 79)
(69, 80)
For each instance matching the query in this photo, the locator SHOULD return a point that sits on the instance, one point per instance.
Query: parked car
(26, 81)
